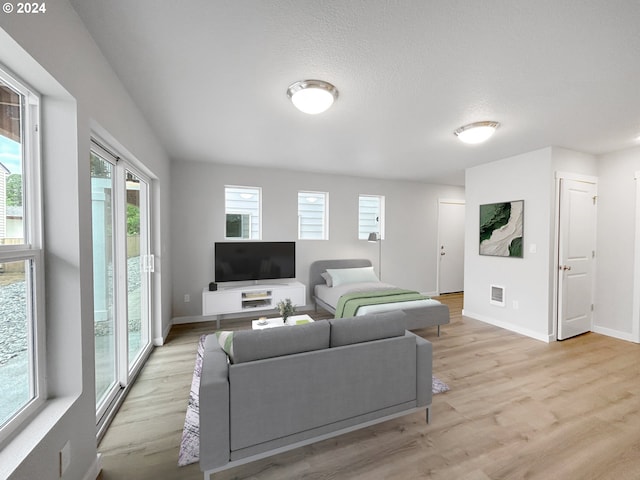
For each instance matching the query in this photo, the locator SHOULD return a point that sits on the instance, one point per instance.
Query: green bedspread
(349, 304)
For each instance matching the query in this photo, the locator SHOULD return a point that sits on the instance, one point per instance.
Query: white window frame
(31, 251)
(253, 235)
(306, 194)
(364, 230)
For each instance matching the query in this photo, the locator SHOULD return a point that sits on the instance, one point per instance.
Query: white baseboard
(615, 334)
(508, 326)
(159, 341)
(94, 469)
(192, 319)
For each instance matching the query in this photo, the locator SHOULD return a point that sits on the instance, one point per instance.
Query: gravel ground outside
(14, 358)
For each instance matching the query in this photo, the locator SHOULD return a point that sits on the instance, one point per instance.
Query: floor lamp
(375, 238)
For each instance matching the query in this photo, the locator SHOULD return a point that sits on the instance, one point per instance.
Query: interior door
(576, 254)
(451, 215)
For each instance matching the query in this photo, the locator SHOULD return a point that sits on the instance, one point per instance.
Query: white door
(450, 246)
(576, 253)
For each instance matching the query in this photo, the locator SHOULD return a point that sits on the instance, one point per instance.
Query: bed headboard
(320, 266)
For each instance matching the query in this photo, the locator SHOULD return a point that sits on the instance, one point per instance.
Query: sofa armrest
(215, 447)
(424, 371)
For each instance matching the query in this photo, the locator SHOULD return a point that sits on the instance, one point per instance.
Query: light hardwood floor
(518, 408)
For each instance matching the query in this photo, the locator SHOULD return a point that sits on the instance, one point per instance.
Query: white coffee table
(277, 322)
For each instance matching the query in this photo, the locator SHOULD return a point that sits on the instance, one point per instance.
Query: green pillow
(225, 339)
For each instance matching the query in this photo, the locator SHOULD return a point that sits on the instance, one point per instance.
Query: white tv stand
(249, 298)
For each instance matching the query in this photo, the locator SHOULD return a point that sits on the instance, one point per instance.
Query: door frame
(556, 250)
(635, 322)
(457, 201)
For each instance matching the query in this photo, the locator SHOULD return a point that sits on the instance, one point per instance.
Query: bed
(421, 312)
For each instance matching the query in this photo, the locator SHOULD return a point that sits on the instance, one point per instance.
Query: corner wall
(56, 55)
(530, 282)
(526, 280)
(617, 288)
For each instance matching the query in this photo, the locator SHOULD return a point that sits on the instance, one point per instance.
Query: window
(312, 216)
(370, 216)
(242, 212)
(21, 260)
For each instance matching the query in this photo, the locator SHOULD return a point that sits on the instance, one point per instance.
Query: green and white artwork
(501, 227)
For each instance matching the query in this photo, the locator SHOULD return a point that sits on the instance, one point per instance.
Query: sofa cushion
(365, 328)
(250, 345)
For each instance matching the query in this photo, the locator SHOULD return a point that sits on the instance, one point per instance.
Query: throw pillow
(327, 278)
(225, 339)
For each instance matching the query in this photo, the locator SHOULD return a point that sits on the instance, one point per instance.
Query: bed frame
(417, 318)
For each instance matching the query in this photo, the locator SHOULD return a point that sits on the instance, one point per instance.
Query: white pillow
(342, 276)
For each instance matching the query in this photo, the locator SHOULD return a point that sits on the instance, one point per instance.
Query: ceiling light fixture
(312, 96)
(477, 132)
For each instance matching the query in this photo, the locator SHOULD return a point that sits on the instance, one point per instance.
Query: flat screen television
(242, 261)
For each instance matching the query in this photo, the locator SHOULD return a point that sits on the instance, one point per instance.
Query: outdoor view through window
(16, 329)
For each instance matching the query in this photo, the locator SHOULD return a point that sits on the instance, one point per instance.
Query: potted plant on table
(286, 309)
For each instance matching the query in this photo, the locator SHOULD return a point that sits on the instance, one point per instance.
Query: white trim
(94, 469)
(635, 319)
(508, 326)
(578, 177)
(454, 201)
(609, 332)
(559, 175)
(31, 252)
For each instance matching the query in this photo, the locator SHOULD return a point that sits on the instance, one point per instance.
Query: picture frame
(502, 229)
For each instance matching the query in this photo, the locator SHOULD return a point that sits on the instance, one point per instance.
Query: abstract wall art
(501, 229)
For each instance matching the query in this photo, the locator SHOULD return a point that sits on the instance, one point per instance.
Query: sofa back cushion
(250, 345)
(365, 328)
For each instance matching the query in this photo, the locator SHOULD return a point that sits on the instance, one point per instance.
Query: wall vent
(496, 296)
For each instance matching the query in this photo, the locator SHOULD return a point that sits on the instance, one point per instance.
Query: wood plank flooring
(518, 409)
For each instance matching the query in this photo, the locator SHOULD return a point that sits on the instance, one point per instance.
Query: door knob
(442, 253)
(565, 267)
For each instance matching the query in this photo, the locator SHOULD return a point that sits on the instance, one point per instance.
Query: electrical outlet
(65, 458)
(187, 298)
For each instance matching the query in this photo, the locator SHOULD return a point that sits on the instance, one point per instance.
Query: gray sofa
(291, 386)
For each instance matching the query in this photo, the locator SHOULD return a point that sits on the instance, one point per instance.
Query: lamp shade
(477, 132)
(312, 96)
(373, 237)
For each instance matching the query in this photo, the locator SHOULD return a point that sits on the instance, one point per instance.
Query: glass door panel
(102, 196)
(137, 247)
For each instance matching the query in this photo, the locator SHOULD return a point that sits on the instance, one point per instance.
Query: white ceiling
(211, 77)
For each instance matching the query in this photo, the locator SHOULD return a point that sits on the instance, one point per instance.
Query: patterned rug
(190, 444)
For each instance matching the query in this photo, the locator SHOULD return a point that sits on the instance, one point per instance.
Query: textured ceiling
(211, 77)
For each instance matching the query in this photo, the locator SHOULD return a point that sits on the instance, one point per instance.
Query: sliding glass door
(122, 265)
(138, 267)
(104, 291)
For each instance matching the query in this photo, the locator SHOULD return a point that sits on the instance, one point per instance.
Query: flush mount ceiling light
(312, 96)
(477, 132)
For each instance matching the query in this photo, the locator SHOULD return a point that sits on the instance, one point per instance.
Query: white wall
(408, 253)
(526, 281)
(530, 282)
(55, 54)
(616, 244)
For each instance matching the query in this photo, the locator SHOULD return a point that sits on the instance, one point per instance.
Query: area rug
(190, 444)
